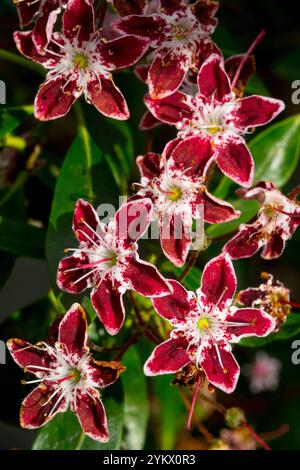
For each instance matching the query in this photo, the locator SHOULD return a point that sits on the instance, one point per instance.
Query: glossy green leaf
(84, 174)
(276, 151)
(10, 118)
(21, 239)
(288, 330)
(169, 411)
(64, 431)
(136, 400)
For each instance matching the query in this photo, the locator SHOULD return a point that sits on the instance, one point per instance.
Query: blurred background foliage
(43, 172)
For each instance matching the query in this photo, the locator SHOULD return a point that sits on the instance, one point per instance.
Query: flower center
(174, 193)
(80, 61)
(76, 375)
(213, 130)
(203, 324)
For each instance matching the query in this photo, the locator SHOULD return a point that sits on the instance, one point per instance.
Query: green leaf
(276, 151)
(10, 118)
(115, 140)
(288, 330)
(21, 239)
(136, 400)
(84, 174)
(64, 431)
(191, 281)
(170, 412)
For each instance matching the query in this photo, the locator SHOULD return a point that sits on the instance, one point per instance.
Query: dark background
(278, 64)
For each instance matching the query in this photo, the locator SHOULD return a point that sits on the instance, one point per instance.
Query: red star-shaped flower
(179, 33)
(277, 220)
(44, 13)
(67, 377)
(80, 62)
(217, 112)
(204, 325)
(107, 260)
(175, 182)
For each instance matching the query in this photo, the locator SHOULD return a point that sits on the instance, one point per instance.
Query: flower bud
(234, 417)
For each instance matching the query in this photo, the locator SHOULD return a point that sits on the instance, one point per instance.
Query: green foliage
(136, 400)
(10, 118)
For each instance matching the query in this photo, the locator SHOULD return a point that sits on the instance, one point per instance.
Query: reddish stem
(127, 345)
(294, 193)
(292, 304)
(188, 424)
(257, 437)
(245, 58)
(189, 266)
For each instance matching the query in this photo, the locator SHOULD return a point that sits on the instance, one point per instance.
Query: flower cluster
(193, 88)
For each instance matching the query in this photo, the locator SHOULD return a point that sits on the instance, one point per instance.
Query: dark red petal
(123, 52)
(148, 121)
(149, 165)
(223, 376)
(146, 279)
(92, 418)
(79, 20)
(248, 296)
(54, 99)
(257, 110)
(169, 110)
(86, 222)
(108, 303)
(26, 46)
(34, 410)
(104, 373)
(176, 306)
(231, 66)
(133, 219)
(107, 98)
(43, 29)
(218, 282)
(141, 71)
(125, 7)
(217, 211)
(234, 159)
(260, 324)
(213, 81)
(205, 11)
(274, 247)
(170, 6)
(150, 26)
(175, 239)
(27, 12)
(73, 330)
(68, 274)
(25, 354)
(167, 73)
(168, 357)
(192, 154)
(245, 244)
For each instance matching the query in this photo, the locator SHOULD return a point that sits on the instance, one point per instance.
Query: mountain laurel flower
(263, 373)
(43, 13)
(179, 33)
(271, 296)
(79, 61)
(107, 260)
(66, 377)
(277, 220)
(205, 323)
(217, 112)
(175, 182)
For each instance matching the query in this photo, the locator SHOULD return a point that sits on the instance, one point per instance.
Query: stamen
(85, 275)
(83, 266)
